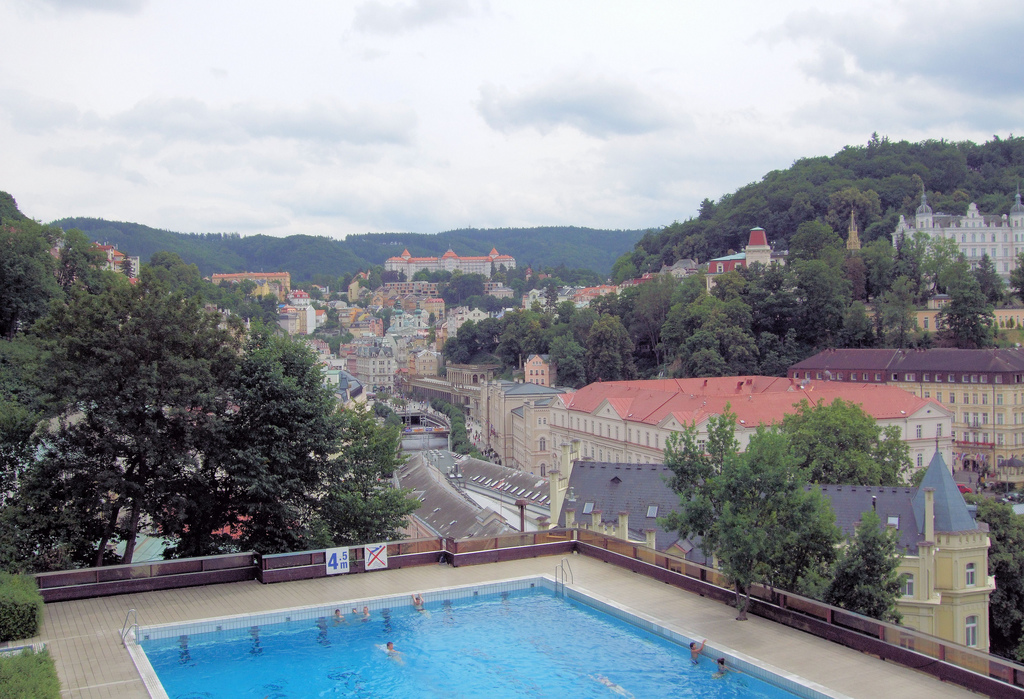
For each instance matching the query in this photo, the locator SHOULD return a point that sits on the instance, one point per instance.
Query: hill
(304, 256)
(879, 181)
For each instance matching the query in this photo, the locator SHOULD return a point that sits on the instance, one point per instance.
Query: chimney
(929, 514)
(521, 504)
(623, 532)
(570, 518)
(596, 519)
(649, 540)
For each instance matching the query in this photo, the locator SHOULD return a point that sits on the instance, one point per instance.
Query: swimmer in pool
(417, 603)
(618, 689)
(366, 613)
(394, 653)
(339, 618)
(695, 651)
(721, 669)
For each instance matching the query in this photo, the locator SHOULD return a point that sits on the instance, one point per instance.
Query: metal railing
(561, 569)
(132, 627)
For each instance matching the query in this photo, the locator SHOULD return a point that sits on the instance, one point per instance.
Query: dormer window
(893, 521)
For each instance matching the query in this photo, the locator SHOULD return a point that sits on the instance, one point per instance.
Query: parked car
(964, 488)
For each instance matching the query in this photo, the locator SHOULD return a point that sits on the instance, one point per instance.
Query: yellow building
(984, 389)
(945, 552)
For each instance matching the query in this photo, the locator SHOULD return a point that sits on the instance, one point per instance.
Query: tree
(569, 360)
(739, 503)
(840, 443)
(896, 315)
(1006, 563)
(989, 281)
(866, 581)
(823, 296)
(26, 276)
(650, 309)
(139, 368)
(1017, 276)
(79, 262)
(609, 351)
(360, 506)
(967, 318)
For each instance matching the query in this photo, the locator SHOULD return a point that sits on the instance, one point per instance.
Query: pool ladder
(561, 570)
(133, 626)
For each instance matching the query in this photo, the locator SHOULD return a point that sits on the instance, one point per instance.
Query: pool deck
(84, 635)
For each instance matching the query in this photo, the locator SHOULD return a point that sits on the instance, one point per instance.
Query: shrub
(29, 675)
(21, 607)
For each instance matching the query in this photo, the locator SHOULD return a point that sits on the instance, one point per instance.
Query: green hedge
(21, 607)
(29, 676)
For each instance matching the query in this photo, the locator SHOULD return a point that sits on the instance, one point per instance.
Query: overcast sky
(332, 118)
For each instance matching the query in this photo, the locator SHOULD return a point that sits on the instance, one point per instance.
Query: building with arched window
(1000, 236)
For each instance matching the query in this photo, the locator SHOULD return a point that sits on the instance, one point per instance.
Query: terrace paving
(84, 636)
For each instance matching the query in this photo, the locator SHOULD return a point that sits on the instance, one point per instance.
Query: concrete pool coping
(84, 635)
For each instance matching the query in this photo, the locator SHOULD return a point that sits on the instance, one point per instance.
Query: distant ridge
(305, 255)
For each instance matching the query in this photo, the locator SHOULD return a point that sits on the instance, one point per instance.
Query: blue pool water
(516, 644)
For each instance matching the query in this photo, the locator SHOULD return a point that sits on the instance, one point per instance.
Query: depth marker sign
(336, 561)
(376, 556)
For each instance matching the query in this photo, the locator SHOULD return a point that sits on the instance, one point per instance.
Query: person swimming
(417, 603)
(618, 689)
(394, 653)
(721, 669)
(695, 651)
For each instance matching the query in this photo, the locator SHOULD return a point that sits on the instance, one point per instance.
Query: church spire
(852, 238)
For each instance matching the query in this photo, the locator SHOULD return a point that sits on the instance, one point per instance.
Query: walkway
(83, 636)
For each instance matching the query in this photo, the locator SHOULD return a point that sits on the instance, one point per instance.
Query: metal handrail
(126, 627)
(560, 571)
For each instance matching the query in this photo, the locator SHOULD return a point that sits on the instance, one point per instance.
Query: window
(543, 444)
(588, 507)
(927, 394)
(926, 327)
(818, 376)
(938, 377)
(908, 585)
(999, 378)
(938, 396)
(999, 398)
(839, 376)
(952, 398)
(951, 378)
(999, 418)
(652, 510)
(927, 377)
(721, 268)
(909, 377)
(920, 461)
(878, 377)
(984, 399)
(895, 377)
(965, 379)
(938, 430)
(984, 378)
(971, 631)
(917, 431)
(974, 378)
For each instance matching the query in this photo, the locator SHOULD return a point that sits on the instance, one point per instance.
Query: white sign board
(337, 561)
(376, 556)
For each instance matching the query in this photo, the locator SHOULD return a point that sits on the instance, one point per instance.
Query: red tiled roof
(754, 399)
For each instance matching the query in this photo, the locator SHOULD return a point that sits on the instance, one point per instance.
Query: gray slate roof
(443, 509)
(951, 513)
(633, 488)
(903, 507)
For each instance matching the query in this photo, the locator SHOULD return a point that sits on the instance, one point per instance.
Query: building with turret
(976, 234)
(946, 584)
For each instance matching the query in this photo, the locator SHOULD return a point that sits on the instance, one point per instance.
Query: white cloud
(380, 18)
(596, 107)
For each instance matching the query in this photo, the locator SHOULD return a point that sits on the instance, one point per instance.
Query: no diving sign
(376, 556)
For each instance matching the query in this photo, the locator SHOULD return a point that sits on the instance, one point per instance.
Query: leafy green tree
(817, 241)
(736, 502)
(1017, 276)
(569, 359)
(650, 309)
(79, 262)
(967, 319)
(609, 351)
(879, 258)
(866, 579)
(840, 443)
(895, 313)
(857, 330)
(138, 367)
(26, 276)
(360, 506)
(1006, 563)
(989, 281)
(823, 294)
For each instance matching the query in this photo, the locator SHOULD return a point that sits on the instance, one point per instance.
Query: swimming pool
(509, 639)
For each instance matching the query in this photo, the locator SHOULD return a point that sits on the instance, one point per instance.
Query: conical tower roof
(951, 513)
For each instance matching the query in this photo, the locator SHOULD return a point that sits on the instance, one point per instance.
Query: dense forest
(306, 256)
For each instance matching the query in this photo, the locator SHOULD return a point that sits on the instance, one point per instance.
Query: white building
(976, 234)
